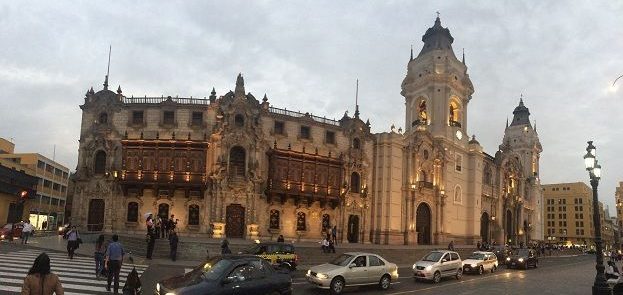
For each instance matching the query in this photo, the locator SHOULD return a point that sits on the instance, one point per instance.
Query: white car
(479, 262)
(438, 264)
(353, 269)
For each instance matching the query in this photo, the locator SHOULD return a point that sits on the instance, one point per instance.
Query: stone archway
(95, 220)
(353, 229)
(423, 220)
(234, 218)
(484, 227)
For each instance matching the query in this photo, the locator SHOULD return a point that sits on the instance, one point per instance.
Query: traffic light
(23, 196)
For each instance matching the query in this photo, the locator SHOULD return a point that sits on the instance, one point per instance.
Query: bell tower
(437, 87)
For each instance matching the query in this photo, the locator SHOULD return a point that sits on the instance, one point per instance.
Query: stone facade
(237, 166)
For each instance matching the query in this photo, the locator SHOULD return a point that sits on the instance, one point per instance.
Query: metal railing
(156, 100)
(294, 114)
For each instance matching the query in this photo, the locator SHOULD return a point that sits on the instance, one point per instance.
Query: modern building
(47, 207)
(568, 214)
(249, 169)
(17, 186)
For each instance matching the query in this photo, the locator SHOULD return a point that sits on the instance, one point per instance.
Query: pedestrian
(40, 281)
(100, 249)
(73, 241)
(133, 283)
(325, 244)
(334, 234)
(44, 225)
(331, 247)
(173, 240)
(114, 260)
(157, 226)
(26, 231)
(478, 245)
(151, 240)
(172, 223)
(225, 247)
(451, 246)
(280, 239)
(164, 228)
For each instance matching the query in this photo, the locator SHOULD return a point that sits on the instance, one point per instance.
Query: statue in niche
(452, 113)
(274, 219)
(300, 222)
(423, 116)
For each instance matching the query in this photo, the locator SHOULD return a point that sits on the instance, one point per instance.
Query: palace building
(236, 166)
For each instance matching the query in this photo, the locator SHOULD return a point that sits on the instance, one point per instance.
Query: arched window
(237, 161)
(100, 162)
(103, 119)
(274, 219)
(193, 215)
(239, 120)
(132, 212)
(458, 197)
(326, 221)
(355, 183)
(356, 143)
(300, 221)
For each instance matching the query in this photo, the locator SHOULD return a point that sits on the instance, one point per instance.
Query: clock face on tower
(459, 134)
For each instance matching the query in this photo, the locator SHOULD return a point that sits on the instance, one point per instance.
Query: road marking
(77, 275)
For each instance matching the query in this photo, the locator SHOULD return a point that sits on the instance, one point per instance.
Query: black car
(523, 258)
(229, 274)
(501, 252)
(280, 255)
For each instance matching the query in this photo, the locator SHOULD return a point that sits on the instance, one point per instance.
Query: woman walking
(40, 281)
(72, 241)
(100, 249)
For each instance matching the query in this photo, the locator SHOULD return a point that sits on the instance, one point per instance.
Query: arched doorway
(484, 227)
(353, 229)
(509, 227)
(95, 221)
(234, 218)
(423, 221)
(163, 211)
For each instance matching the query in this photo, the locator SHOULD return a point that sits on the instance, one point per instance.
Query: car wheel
(437, 277)
(459, 273)
(493, 269)
(337, 285)
(385, 282)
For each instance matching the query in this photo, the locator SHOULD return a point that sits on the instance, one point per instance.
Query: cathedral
(236, 166)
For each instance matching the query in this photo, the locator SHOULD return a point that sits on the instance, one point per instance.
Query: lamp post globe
(600, 286)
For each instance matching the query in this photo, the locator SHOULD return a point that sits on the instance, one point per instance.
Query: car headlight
(158, 287)
(2, 237)
(60, 228)
(322, 276)
(309, 272)
(429, 267)
(520, 259)
(508, 259)
(414, 266)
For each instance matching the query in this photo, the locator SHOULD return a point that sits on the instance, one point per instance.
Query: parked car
(11, 231)
(278, 254)
(353, 269)
(229, 274)
(438, 264)
(523, 258)
(479, 262)
(501, 252)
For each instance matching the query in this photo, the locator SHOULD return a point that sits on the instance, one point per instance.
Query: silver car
(353, 269)
(438, 264)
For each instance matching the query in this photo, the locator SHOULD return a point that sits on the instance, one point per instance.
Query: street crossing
(77, 275)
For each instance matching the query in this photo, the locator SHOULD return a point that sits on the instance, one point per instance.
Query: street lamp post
(594, 171)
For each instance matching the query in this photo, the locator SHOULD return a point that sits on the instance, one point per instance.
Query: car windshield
(477, 256)
(212, 269)
(255, 249)
(342, 260)
(432, 256)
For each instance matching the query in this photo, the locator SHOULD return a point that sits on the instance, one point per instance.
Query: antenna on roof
(108, 69)
(357, 100)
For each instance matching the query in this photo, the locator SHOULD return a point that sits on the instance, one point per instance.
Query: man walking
(26, 231)
(151, 238)
(114, 260)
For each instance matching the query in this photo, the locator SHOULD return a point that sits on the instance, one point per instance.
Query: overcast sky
(306, 55)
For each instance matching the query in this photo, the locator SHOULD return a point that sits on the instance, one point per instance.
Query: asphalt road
(559, 275)
(555, 275)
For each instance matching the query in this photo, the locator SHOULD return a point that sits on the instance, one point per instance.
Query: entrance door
(509, 227)
(95, 221)
(163, 211)
(234, 227)
(484, 227)
(353, 229)
(422, 224)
